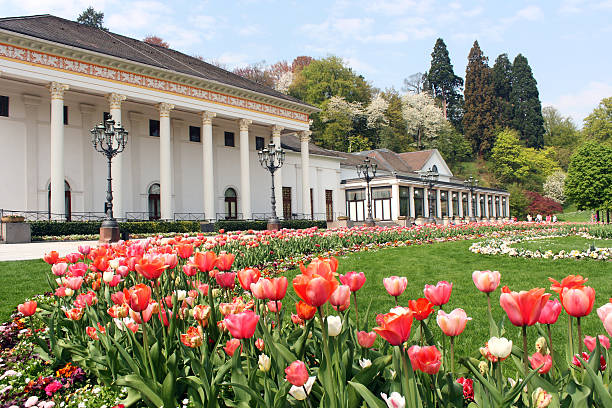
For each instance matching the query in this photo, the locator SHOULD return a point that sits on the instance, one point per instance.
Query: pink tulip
(550, 312)
(59, 269)
(395, 285)
(453, 323)
(84, 249)
(73, 283)
(241, 325)
(605, 315)
(272, 306)
(354, 280)
(538, 359)
(578, 302)
(523, 308)
(366, 339)
(341, 296)
(439, 294)
(226, 279)
(486, 281)
(27, 308)
(591, 342)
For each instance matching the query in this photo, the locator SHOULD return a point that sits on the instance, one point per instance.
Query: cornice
(93, 57)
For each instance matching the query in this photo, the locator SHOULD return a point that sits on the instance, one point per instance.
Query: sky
(567, 42)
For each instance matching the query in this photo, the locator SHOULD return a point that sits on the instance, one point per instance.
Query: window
(433, 202)
(106, 116)
(504, 214)
(229, 139)
(4, 106)
(404, 200)
(443, 203)
(65, 115)
(466, 206)
(194, 134)
(455, 204)
(419, 204)
(153, 127)
(381, 200)
(355, 195)
(287, 203)
(231, 204)
(329, 205)
(154, 206)
(67, 201)
(355, 204)
(260, 143)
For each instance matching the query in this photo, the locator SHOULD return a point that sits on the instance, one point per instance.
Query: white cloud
(579, 104)
(399, 7)
(360, 66)
(233, 60)
(248, 30)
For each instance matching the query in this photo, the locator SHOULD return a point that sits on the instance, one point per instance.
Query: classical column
(278, 175)
(58, 202)
(114, 103)
(208, 165)
(460, 202)
(411, 198)
(425, 202)
(139, 193)
(304, 150)
(449, 208)
(438, 203)
(87, 123)
(165, 161)
(245, 182)
(486, 201)
(508, 206)
(30, 161)
(494, 206)
(395, 201)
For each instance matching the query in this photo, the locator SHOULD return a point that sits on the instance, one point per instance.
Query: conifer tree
(444, 84)
(502, 83)
(92, 18)
(526, 106)
(480, 114)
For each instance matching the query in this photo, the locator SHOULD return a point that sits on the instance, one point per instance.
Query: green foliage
(239, 225)
(561, 134)
(525, 100)
(589, 177)
(480, 115)
(598, 125)
(453, 146)
(518, 202)
(502, 83)
(394, 136)
(53, 228)
(91, 17)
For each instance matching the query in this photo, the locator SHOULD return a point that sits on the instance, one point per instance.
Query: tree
(554, 187)
(91, 17)
(155, 40)
(415, 83)
(598, 125)
(527, 108)
(299, 63)
(445, 85)
(256, 72)
(480, 112)
(561, 134)
(453, 146)
(424, 120)
(542, 205)
(502, 83)
(394, 136)
(518, 201)
(589, 177)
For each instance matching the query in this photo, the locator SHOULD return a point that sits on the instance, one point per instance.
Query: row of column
(165, 160)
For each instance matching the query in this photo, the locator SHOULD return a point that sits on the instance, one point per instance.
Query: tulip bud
(216, 292)
(114, 263)
(334, 325)
(69, 292)
(500, 347)
(264, 363)
(365, 363)
(541, 399)
(483, 367)
(541, 345)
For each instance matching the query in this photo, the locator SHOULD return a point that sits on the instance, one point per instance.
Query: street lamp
(109, 139)
(430, 177)
(363, 171)
(471, 184)
(272, 159)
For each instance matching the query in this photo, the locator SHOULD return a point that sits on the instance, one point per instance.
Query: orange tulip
(225, 261)
(184, 250)
(247, 276)
(395, 326)
(51, 258)
(27, 308)
(578, 302)
(523, 308)
(193, 338)
(421, 308)
(305, 311)
(138, 297)
(569, 282)
(314, 289)
(205, 261)
(151, 266)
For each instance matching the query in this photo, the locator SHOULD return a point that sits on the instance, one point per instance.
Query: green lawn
(565, 243)
(20, 280)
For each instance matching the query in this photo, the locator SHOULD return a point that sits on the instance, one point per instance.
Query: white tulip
(264, 363)
(69, 292)
(108, 276)
(395, 400)
(181, 295)
(365, 363)
(500, 347)
(113, 263)
(300, 393)
(334, 325)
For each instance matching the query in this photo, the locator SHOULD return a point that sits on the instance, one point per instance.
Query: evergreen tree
(445, 85)
(480, 113)
(526, 106)
(92, 18)
(502, 83)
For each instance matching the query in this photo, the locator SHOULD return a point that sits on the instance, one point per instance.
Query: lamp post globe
(272, 159)
(430, 177)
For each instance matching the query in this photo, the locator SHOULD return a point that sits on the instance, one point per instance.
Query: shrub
(542, 205)
(54, 228)
(244, 225)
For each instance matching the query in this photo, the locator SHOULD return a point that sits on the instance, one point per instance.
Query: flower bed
(191, 321)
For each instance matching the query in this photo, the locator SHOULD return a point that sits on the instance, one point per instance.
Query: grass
(565, 243)
(20, 280)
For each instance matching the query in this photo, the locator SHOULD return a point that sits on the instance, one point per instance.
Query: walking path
(36, 250)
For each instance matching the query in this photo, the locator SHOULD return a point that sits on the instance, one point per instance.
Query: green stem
(489, 304)
(356, 310)
(452, 346)
(396, 302)
(525, 354)
(145, 340)
(579, 336)
(550, 345)
(498, 370)
(278, 321)
(570, 337)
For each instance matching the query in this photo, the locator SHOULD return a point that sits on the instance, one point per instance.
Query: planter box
(12, 218)
(15, 233)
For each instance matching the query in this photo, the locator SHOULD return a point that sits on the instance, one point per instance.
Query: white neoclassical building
(194, 132)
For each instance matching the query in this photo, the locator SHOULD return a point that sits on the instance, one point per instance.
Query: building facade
(194, 132)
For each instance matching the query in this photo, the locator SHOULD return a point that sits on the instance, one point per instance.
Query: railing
(138, 216)
(188, 216)
(225, 216)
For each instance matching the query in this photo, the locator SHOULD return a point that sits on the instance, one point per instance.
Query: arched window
(434, 168)
(67, 198)
(231, 204)
(154, 210)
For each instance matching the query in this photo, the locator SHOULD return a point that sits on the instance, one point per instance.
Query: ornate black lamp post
(272, 159)
(110, 140)
(363, 171)
(471, 184)
(430, 177)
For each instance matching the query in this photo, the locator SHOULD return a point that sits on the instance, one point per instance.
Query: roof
(71, 33)
(291, 141)
(416, 160)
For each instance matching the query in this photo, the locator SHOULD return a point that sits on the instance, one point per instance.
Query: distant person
(548, 218)
(529, 219)
(554, 218)
(539, 218)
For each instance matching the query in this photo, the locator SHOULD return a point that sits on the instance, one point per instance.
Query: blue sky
(567, 42)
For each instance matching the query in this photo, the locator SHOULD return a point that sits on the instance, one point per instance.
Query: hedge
(243, 225)
(53, 228)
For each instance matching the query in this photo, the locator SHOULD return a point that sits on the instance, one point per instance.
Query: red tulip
(439, 294)
(86, 299)
(242, 325)
(201, 313)
(297, 373)
(118, 298)
(151, 266)
(193, 338)
(225, 261)
(118, 311)
(138, 297)
(231, 346)
(341, 298)
(247, 276)
(353, 280)
(73, 283)
(259, 343)
(569, 282)
(395, 326)
(226, 279)
(205, 261)
(591, 342)
(453, 323)
(578, 302)
(366, 339)
(395, 285)
(421, 308)
(190, 269)
(51, 258)
(305, 311)
(27, 308)
(426, 359)
(313, 288)
(486, 281)
(325, 267)
(184, 250)
(523, 308)
(538, 359)
(550, 312)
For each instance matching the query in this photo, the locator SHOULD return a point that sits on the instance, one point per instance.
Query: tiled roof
(291, 141)
(62, 31)
(416, 160)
